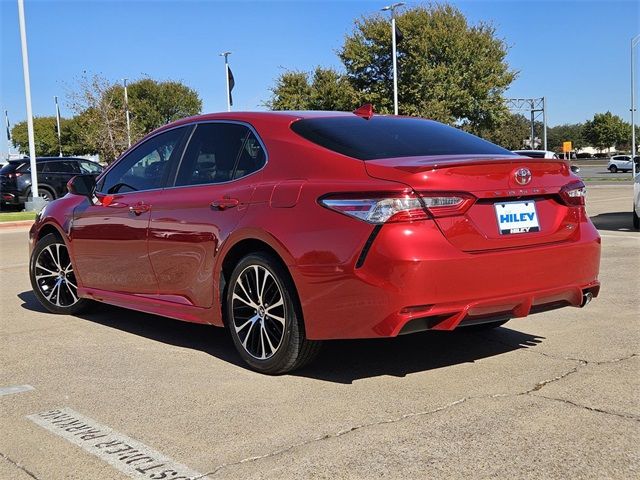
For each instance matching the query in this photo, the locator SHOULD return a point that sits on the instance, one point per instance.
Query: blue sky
(576, 53)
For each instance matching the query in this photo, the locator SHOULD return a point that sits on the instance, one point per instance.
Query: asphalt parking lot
(117, 394)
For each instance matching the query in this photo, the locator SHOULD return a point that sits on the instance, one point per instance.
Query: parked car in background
(544, 154)
(290, 228)
(621, 163)
(53, 175)
(536, 153)
(636, 202)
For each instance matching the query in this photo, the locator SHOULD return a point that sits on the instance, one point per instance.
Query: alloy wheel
(258, 312)
(54, 276)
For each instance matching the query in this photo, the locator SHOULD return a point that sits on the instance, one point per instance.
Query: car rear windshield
(10, 167)
(390, 137)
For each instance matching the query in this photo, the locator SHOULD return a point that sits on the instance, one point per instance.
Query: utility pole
(36, 202)
(55, 99)
(634, 43)
(226, 76)
(126, 109)
(392, 9)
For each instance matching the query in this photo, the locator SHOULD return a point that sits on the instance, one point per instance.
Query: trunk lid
(492, 181)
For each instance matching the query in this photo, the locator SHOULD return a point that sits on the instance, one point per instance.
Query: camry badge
(523, 176)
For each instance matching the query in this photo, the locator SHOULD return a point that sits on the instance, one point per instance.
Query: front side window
(214, 152)
(145, 167)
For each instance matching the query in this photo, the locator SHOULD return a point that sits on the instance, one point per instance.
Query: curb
(20, 223)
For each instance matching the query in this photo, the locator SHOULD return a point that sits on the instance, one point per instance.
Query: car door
(212, 190)
(57, 173)
(110, 239)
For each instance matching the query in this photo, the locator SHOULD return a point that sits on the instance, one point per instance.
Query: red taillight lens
(573, 194)
(446, 204)
(381, 208)
(378, 208)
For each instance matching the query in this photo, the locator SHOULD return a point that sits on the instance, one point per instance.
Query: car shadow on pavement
(340, 361)
(615, 221)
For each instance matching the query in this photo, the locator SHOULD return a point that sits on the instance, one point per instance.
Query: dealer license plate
(517, 217)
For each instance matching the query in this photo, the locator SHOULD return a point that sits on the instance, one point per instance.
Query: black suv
(53, 175)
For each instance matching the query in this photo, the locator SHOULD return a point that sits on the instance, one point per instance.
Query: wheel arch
(239, 249)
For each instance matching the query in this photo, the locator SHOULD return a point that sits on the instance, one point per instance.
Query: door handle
(139, 208)
(225, 203)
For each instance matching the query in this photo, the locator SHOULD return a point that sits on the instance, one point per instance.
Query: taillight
(378, 208)
(573, 194)
(446, 204)
(398, 207)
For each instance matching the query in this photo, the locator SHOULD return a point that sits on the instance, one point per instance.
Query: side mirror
(84, 185)
(575, 169)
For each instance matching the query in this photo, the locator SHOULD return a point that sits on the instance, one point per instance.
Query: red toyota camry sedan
(290, 228)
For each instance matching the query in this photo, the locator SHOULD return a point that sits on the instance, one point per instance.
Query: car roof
(48, 159)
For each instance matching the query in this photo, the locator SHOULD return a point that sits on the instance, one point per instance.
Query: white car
(621, 163)
(536, 153)
(636, 202)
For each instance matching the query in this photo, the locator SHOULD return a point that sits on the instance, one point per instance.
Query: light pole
(55, 99)
(35, 202)
(226, 75)
(126, 109)
(634, 43)
(392, 9)
(6, 121)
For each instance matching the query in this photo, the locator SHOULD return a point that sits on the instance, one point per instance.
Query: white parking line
(131, 457)
(15, 389)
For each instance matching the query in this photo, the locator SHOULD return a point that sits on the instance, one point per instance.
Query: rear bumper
(413, 273)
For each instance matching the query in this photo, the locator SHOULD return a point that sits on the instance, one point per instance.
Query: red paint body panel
(168, 259)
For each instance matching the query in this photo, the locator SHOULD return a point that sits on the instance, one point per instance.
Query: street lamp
(226, 74)
(392, 9)
(634, 43)
(36, 202)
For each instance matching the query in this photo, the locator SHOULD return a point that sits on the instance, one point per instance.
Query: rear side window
(390, 137)
(219, 152)
(87, 167)
(60, 167)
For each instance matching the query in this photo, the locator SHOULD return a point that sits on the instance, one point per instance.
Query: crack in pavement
(628, 416)
(538, 386)
(17, 465)
(340, 433)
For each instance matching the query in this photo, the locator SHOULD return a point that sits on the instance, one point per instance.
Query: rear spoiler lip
(432, 162)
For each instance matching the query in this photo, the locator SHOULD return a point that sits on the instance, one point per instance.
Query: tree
(510, 131)
(448, 70)
(607, 130)
(46, 138)
(100, 111)
(573, 133)
(325, 89)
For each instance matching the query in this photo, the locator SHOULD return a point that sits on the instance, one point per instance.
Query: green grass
(16, 216)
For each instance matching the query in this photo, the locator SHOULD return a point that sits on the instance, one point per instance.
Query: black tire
(247, 306)
(44, 193)
(483, 327)
(53, 281)
(636, 219)
(613, 169)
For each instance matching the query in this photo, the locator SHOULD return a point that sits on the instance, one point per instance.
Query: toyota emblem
(523, 176)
